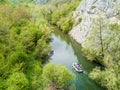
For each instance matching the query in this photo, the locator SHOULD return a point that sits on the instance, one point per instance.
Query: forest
(25, 50)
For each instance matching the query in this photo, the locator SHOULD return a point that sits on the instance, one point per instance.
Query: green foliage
(103, 45)
(2, 1)
(3, 85)
(58, 75)
(16, 57)
(34, 75)
(21, 14)
(107, 78)
(65, 24)
(17, 81)
(24, 45)
(61, 14)
(95, 44)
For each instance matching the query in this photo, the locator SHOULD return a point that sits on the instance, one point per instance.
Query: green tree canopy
(58, 75)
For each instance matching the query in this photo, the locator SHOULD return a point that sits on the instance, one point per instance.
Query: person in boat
(78, 66)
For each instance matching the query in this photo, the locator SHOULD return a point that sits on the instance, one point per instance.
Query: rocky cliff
(91, 10)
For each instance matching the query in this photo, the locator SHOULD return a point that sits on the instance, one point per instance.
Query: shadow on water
(66, 51)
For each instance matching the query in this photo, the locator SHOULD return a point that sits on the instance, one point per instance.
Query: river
(66, 51)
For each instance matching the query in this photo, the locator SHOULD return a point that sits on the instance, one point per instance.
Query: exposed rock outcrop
(90, 10)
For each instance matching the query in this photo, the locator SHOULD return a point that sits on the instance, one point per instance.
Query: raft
(77, 67)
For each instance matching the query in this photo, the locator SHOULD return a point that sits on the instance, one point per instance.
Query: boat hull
(76, 69)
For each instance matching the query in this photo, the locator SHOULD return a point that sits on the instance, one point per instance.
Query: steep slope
(90, 10)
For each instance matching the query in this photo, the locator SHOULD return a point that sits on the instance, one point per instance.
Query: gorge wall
(90, 11)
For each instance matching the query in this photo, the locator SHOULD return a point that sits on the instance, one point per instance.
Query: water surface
(67, 51)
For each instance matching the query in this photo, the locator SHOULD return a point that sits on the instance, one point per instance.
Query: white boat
(77, 67)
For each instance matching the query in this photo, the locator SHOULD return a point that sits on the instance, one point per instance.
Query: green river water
(66, 51)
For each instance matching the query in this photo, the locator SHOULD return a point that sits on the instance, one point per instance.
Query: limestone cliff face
(90, 10)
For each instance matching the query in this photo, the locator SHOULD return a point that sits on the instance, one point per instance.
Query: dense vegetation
(60, 13)
(24, 48)
(103, 46)
(58, 75)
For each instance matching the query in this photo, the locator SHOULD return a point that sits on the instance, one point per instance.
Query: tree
(24, 44)
(104, 45)
(58, 75)
(17, 81)
(95, 45)
(61, 14)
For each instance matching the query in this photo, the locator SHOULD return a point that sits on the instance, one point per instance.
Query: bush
(105, 78)
(62, 15)
(24, 45)
(17, 81)
(58, 75)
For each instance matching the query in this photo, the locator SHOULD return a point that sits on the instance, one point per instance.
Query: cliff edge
(91, 10)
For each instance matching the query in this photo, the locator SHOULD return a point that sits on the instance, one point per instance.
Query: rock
(90, 10)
